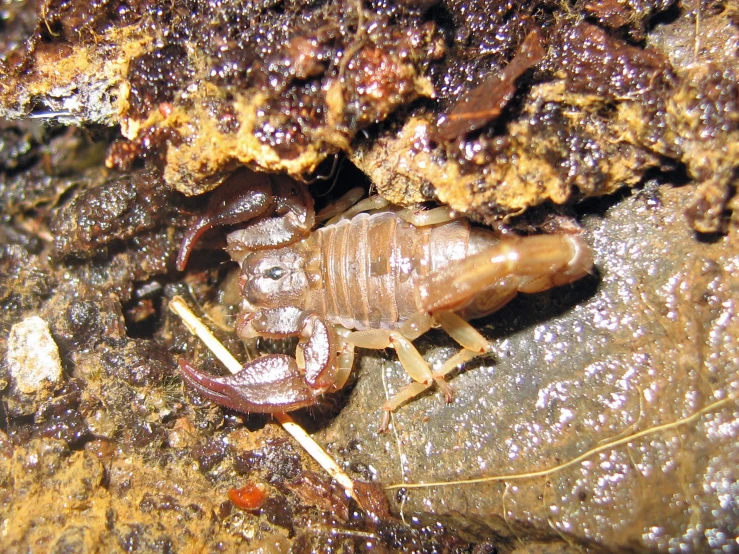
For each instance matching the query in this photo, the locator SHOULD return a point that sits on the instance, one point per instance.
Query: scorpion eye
(274, 273)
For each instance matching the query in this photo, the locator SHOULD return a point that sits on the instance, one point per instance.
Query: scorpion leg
(243, 196)
(461, 331)
(344, 358)
(340, 206)
(410, 391)
(473, 342)
(424, 218)
(417, 218)
(364, 205)
(410, 359)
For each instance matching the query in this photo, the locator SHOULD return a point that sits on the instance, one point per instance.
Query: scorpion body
(366, 272)
(373, 281)
(376, 271)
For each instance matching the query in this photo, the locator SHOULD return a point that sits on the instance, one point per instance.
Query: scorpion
(370, 280)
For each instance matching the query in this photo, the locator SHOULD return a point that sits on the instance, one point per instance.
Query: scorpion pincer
(375, 280)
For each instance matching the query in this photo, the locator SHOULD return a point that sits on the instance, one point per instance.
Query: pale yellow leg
(350, 205)
(409, 357)
(366, 205)
(460, 358)
(341, 205)
(409, 392)
(461, 331)
(474, 344)
(423, 218)
(416, 325)
(344, 358)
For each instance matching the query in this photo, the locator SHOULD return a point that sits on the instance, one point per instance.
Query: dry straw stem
(197, 328)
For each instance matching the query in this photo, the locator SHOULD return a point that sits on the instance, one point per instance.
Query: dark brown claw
(278, 210)
(243, 196)
(291, 219)
(273, 383)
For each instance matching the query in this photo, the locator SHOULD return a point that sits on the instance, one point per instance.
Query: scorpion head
(274, 278)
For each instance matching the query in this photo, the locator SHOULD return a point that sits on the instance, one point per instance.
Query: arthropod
(374, 280)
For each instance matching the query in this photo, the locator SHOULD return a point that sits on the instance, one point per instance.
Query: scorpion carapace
(372, 281)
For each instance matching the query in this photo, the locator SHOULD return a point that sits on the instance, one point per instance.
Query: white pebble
(33, 356)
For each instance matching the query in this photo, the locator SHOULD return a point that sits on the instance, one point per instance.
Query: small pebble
(33, 356)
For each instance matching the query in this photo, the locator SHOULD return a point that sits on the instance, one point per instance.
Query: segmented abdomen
(371, 265)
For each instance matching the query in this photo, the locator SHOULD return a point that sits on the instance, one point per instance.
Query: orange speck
(166, 108)
(250, 497)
